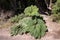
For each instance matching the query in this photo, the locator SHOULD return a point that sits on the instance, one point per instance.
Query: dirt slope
(53, 29)
(52, 34)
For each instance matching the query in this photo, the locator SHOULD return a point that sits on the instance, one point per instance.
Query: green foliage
(56, 7)
(35, 27)
(56, 11)
(56, 17)
(17, 18)
(30, 22)
(31, 11)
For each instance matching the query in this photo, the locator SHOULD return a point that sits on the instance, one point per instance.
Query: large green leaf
(31, 11)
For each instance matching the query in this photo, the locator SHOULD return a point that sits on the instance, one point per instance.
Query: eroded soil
(52, 34)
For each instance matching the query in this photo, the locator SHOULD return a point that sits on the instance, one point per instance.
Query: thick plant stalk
(48, 3)
(50, 6)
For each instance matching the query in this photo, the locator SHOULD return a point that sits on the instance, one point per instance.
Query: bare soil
(53, 29)
(52, 34)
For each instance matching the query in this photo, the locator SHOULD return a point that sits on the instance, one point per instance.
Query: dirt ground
(52, 34)
(53, 29)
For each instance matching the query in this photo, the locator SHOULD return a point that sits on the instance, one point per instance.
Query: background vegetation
(56, 11)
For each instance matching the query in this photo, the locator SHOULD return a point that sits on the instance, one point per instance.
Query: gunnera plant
(31, 11)
(16, 18)
(32, 24)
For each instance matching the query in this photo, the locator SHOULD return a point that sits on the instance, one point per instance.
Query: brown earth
(52, 34)
(53, 29)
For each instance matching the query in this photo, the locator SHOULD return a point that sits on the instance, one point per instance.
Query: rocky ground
(52, 34)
